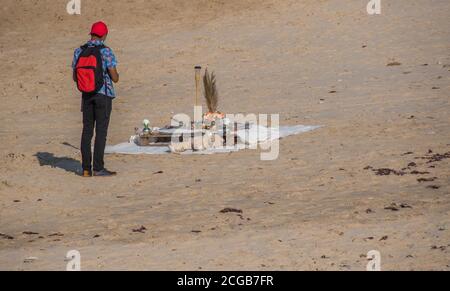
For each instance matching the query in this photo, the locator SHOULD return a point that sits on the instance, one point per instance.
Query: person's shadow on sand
(65, 163)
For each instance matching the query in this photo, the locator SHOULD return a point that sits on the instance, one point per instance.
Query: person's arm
(114, 74)
(111, 64)
(74, 63)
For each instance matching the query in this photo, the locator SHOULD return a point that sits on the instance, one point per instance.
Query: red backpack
(89, 69)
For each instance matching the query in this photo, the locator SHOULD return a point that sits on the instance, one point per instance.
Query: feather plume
(211, 93)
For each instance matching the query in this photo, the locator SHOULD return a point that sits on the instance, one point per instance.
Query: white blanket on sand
(253, 135)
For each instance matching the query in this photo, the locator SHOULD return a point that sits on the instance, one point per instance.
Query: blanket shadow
(65, 163)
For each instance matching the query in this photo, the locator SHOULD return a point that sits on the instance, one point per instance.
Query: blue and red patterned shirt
(109, 61)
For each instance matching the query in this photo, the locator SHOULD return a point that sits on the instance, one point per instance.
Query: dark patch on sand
(421, 180)
(391, 64)
(5, 236)
(141, 229)
(232, 210)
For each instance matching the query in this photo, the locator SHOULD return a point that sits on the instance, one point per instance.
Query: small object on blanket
(146, 131)
(208, 140)
(145, 136)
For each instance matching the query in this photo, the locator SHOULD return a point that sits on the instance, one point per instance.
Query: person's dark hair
(95, 35)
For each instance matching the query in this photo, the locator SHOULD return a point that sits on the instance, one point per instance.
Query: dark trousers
(96, 112)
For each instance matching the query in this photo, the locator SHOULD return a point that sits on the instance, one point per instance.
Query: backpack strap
(100, 47)
(83, 47)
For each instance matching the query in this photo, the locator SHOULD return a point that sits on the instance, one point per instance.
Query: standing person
(94, 71)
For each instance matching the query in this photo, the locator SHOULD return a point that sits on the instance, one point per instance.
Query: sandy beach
(376, 176)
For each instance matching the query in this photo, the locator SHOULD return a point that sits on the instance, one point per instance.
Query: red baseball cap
(99, 28)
